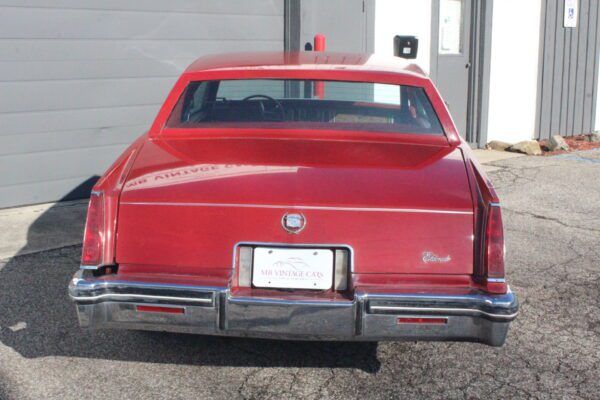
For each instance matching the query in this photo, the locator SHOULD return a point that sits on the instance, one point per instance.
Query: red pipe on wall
(319, 42)
(319, 45)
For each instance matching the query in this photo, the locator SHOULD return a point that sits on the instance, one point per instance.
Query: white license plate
(292, 268)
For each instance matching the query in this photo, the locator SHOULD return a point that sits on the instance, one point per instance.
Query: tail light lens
(494, 251)
(93, 238)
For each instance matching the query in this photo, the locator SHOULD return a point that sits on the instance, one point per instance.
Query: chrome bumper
(475, 316)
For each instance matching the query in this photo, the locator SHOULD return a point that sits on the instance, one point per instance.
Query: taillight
(160, 309)
(422, 320)
(93, 238)
(494, 251)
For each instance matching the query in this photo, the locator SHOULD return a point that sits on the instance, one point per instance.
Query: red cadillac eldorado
(320, 196)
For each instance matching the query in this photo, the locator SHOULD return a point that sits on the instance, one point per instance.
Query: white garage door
(80, 79)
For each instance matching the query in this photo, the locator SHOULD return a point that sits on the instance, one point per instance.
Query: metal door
(452, 56)
(343, 22)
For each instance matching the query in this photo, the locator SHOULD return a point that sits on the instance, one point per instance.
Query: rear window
(305, 104)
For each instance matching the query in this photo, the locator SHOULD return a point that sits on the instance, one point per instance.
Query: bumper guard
(369, 316)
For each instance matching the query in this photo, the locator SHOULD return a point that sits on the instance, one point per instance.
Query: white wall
(403, 17)
(514, 70)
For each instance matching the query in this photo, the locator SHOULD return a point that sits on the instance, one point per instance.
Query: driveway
(552, 218)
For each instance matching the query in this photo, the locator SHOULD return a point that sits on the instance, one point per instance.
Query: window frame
(410, 75)
(213, 91)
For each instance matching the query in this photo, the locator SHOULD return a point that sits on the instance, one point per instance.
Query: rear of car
(273, 200)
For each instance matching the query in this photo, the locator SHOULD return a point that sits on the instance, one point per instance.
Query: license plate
(292, 268)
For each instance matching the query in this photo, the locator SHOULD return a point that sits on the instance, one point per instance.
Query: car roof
(305, 61)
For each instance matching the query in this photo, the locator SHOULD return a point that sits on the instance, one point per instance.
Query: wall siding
(569, 70)
(80, 79)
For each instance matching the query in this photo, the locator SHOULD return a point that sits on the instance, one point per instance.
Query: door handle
(468, 65)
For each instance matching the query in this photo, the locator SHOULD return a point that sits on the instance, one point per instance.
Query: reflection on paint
(201, 172)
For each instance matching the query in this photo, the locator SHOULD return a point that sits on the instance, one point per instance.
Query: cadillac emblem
(293, 223)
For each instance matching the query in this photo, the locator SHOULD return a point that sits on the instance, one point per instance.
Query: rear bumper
(369, 316)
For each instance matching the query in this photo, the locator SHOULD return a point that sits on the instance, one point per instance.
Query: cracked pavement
(552, 221)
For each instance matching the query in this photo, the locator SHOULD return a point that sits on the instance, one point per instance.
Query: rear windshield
(305, 104)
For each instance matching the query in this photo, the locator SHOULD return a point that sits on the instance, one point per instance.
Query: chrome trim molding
(474, 316)
(285, 302)
(90, 267)
(84, 288)
(298, 207)
(496, 280)
(87, 284)
(145, 297)
(509, 317)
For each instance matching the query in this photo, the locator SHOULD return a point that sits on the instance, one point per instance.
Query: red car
(298, 196)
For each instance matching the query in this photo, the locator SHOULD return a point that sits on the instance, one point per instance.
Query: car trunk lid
(401, 207)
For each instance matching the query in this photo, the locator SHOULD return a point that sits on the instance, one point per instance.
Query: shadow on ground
(37, 319)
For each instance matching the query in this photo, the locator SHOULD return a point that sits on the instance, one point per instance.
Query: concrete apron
(30, 229)
(488, 156)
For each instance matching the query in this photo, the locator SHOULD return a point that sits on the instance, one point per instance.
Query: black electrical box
(406, 46)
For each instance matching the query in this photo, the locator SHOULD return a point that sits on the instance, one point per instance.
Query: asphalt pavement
(551, 209)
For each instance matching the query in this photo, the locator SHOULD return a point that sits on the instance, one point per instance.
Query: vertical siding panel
(559, 40)
(590, 63)
(564, 81)
(582, 55)
(547, 69)
(567, 97)
(572, 76)
(592, 83)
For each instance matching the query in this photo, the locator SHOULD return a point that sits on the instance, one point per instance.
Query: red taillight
(93, 238)
(161, 309)
(422, 320)
(494, 251)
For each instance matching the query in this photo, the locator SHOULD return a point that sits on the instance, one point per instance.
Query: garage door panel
(41, 192)
(48, 23)
(57, 165)
(76, 94)
(156, 50)
(243, 7)
(68, 120)
(80, 79)
(89, 69)
(75, 139)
